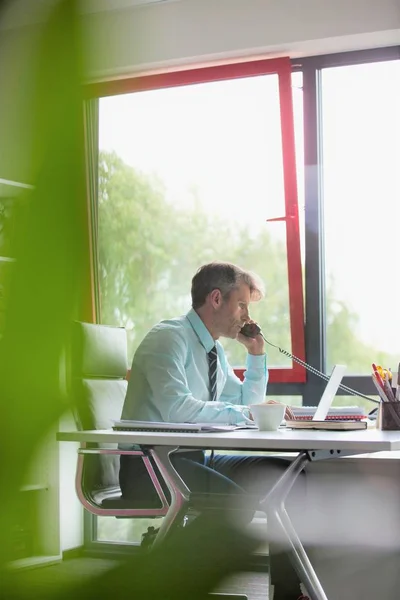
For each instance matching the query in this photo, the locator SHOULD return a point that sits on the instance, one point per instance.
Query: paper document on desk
(159, 426)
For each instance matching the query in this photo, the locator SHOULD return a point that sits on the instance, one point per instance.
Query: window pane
(129, 531)
(189, 175)
(361, 150)
(297, 91)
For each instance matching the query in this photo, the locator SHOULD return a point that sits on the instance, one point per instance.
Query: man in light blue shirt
(169, 380)
(180, 374)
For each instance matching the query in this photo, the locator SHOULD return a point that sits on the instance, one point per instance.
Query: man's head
(221, 294)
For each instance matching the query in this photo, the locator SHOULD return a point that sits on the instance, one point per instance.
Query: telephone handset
(252, 330)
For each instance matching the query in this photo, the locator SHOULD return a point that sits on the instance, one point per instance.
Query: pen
(379, 388)
(387, 388)
(378, 376)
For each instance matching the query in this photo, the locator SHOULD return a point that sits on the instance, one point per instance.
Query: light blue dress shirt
(169, 380)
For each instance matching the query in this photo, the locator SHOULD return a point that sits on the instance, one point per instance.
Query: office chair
(99, 366)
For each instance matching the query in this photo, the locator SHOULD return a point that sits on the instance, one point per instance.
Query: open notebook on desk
(321, 418)
(158, 426)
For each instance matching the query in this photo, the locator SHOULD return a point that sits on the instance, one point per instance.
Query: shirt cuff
(256, 361)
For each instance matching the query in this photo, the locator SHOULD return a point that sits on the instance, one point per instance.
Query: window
(190, 171)
(223, 125)
(361, 190)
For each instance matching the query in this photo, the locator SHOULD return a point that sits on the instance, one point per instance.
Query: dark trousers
(236, 477)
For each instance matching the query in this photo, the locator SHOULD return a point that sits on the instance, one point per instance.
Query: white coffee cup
(267, 417)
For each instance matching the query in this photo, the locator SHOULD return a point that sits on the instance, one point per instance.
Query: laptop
(329, 393)
(319, 421)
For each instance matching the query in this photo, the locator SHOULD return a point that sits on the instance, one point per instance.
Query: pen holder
(389, 417)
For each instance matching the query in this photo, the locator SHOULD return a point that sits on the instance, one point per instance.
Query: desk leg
(180, 493)
(274, 506)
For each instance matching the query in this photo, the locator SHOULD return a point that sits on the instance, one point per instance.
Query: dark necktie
(212, 363)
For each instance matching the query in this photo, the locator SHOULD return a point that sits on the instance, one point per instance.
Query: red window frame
(282, 68)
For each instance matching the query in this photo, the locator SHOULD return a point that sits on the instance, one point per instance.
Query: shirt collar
(200, 330)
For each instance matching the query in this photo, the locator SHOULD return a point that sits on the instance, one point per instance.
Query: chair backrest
(99, 365)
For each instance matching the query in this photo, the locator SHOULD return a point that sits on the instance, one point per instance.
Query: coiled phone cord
(315, 371)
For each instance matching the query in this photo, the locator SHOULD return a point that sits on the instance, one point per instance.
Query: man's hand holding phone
(251, 338)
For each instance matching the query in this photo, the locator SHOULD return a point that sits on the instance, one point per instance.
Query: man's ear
(216, 298)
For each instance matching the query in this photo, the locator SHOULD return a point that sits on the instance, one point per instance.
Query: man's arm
(253, 389)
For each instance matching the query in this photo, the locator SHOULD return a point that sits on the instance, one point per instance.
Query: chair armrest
(117, 451)
(85, 495)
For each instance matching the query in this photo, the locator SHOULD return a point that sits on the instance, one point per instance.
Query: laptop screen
(329, 393)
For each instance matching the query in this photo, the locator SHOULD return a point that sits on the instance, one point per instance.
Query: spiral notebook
(158, 426)
(328, 425)
(335, 413)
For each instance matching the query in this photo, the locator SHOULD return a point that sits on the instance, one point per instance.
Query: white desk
(283, 440)
(311, 445)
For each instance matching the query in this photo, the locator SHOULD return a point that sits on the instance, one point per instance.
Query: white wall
(71, 510)
(164, 35)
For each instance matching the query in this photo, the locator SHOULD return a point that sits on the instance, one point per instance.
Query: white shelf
(12, 188)
(35, 487)
(34, 561)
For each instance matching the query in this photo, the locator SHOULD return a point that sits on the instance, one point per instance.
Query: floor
(46, 581)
